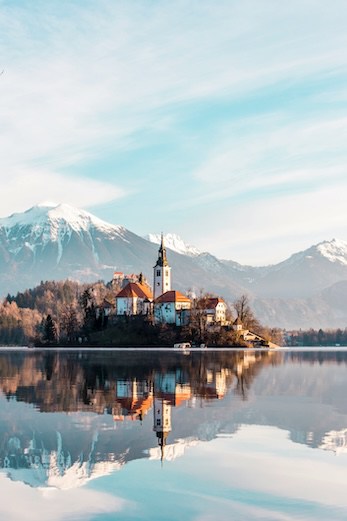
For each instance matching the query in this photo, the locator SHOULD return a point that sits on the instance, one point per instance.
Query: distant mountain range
(55, 242)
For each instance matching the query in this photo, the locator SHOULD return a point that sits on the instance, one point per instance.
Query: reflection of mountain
(37, 465)
(335, 441)
(174, 450)
(121, 390)
(126, 406)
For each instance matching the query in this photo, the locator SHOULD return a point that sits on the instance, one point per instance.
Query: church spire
(162, 272)
(162, 259)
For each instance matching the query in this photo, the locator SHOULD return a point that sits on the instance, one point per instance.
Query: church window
(158, 422)
(158, 273)
(167, 273)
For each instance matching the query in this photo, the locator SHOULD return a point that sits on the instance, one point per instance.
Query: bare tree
(70, 322)
(244, 313)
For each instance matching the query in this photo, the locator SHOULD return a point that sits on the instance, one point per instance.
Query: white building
(172, 307)
(162, 272)
(134, 299)
(216, 310)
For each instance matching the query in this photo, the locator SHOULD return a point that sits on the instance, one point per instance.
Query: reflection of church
(97, 390)
(134, 398)
(161, 422)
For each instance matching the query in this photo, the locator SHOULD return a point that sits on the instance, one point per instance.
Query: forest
(68, 313)
(319, 338)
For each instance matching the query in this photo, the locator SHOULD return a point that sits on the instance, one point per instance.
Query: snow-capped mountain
(335, 441)
(335, 251)
(174, 243)
(58, 241)
(304, 273)
(47, 224)
(59, 216)
(61, 241)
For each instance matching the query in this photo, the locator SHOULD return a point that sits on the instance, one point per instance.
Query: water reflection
(69, 417)
(74, 381)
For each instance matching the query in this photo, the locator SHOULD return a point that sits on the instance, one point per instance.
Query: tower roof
(162, 259)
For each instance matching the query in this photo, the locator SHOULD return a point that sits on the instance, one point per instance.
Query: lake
(165, 436)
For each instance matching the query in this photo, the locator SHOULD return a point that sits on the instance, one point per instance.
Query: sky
(224, 122)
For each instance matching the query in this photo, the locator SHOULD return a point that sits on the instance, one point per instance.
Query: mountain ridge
(56, 242)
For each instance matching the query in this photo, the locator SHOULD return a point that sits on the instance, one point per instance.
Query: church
(167, 306)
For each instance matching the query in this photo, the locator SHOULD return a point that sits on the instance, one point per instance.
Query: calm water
(167, 436)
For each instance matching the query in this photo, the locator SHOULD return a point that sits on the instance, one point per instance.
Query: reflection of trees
(313, 356)
(249, 366)
(56, 381)
(126, 384)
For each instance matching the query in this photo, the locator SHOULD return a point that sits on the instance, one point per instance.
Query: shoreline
(170, 349)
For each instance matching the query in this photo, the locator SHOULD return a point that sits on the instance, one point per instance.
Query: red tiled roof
(134, 289)
(213, 302)
(172, 296)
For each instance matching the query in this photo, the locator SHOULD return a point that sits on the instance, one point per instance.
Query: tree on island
(66, 310)
(200, 330)
(244, 313)
(70, 323)
(50, 330)
(198, 317)
(87, 303)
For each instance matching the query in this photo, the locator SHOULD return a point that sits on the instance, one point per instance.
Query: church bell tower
(162, 272)
(162, 422)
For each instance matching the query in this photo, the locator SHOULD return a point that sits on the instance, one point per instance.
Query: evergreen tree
(87, 303)
(50, 332)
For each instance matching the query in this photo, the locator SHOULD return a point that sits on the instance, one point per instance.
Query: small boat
(182, 345)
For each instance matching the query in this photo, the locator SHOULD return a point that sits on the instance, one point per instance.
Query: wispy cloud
(264, 231)
(282, 182)
(86, 81)
(126, 60)
(25, 187)
(272, 145)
